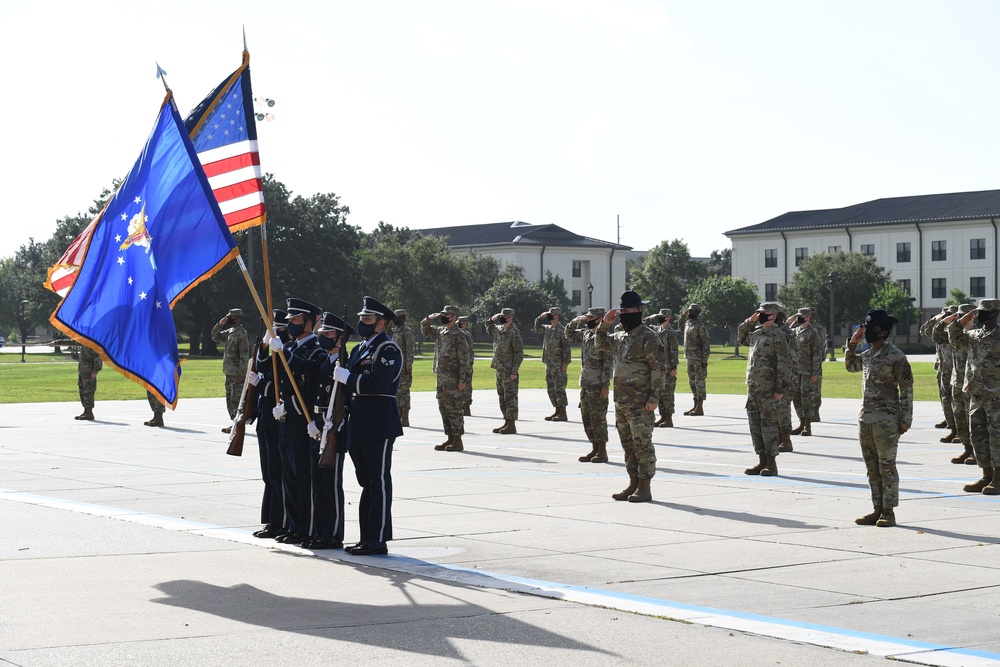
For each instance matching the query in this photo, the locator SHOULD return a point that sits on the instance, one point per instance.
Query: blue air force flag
(161, 234)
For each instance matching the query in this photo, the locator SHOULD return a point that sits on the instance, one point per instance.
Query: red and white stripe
(234, 174)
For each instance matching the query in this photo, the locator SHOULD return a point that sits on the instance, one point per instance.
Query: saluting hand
(858, 336)
(967, 317)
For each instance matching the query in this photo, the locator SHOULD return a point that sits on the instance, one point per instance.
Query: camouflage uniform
(769, 372)
(886, 407)
(451, 365)
(235, 359)
(472, 362)
(812, 349)
(785, 405)
(638, 375)
(508, 353)
(154, 403)
(403, 335)
(671, 359)
(959, 396)
(557, 354)
(90, 364)
(697, 349)
(595, 377)
(982, 382)
(943, 364)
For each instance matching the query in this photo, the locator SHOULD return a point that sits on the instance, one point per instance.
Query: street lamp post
(833, 347)
(590, 295)
(24, 302)
(909, 309)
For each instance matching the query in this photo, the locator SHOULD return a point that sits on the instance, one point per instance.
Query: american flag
(224, 133)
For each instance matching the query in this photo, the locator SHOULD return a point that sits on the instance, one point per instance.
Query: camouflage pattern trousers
(960, 408)
(507, 393)
(594, 412)
(984, 429)
(555, 381)
(234, 388)
(944, 390)
(451, 404)
(635, 430)
(805, 395)
(763, 414)
(88, 387)
(667, 396)
(878, 447)
(467, 394)
(154, 404)
(403, 395)
(696, 378)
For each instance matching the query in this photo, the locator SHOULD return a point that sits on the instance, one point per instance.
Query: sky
(624, 120)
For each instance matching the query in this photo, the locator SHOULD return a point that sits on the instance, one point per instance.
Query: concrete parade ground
(128, 545)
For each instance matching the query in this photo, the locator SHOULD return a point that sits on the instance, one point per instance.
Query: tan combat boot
(668, 421)
(444, 445)
(691, 411)
(771, 469)
(887, 520)
(699, 409)
(508, 427)
(551, 417)
(786, 442)
(949, 436)
(586, 457)
(977, 487)
(757, 468)
(601, 455)
(642, 493)
(456, 444)
(964, 455)
(993, 488)
(798, 429)
(157, 420)
(560, 415)
(502, 426)
(633, 484)
(808, 430)
(870, 519)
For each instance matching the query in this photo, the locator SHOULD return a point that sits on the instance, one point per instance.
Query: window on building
(834, 248)
(868, 249)
(800, 254)
(977, 249)
(905, 284)
(977, 287)
(939, 251)
(939, 288)
(577, 297)
(902, 252)
(770, 291)
(770, 258)
(577, 269)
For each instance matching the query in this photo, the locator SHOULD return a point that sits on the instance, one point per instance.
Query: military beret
(235, 312)
(631, 299)
(805, 312)
(372, 306)
(596, 312)
(989, 305)
(879, 317)
(331, 322)
(296, 307)
(507, 312)
(769, 307)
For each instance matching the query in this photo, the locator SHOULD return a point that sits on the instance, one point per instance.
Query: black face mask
(327, 343)
(661, 320)
(365, 330)
(549, 317)
(764, 317)
(693, 315)
(800, 320)
(400, 321)
(873, 334)
(502, 319)
(295, 330)
(984, 316)
(592, 324)
(630, 320)
(445, 319)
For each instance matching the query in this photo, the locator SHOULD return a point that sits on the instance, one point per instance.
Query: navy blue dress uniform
(304, 356)
(272, 506)
(372, 381)
(328, 482)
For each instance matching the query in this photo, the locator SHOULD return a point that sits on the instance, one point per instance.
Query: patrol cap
(372, 306)
(555, 310)
(944, 310)
(772, 307)
(331, 322)
(631, 299)
(296, 307)
(235, 312)
(450, 310)
(596, 312)
(805, 312)
(400, 312)
(695, 307)
(966, 308)
(665, 312)
(279, 318)
(507, 312)
(464, 319)
(782, 309)
(879, 317)
(952, 309)
(989, 305)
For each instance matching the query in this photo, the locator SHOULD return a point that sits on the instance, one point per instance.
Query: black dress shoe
(327, 543)
(290, 538)
(368, 549)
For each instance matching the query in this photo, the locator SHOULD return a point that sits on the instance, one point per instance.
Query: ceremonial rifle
(334, 411)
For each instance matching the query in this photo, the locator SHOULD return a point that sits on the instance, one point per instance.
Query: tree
(725, 302)
(892, 298)
(556, 286)
(665, 274)
(957, 297)
(857, 279)
(481, 271)
(512, 290)
(720, 263)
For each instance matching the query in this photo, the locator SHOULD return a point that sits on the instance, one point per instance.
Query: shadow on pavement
(740, 516)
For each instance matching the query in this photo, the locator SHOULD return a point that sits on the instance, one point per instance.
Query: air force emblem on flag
(137, 234)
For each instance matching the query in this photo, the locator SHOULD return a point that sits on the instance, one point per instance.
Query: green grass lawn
(52, 377)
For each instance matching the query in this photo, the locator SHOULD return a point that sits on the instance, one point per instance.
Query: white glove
(328, 425)
(314, 431)
(341, 375)
(274, 344)
(279, 412)
(253, 378)
(267, 338)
